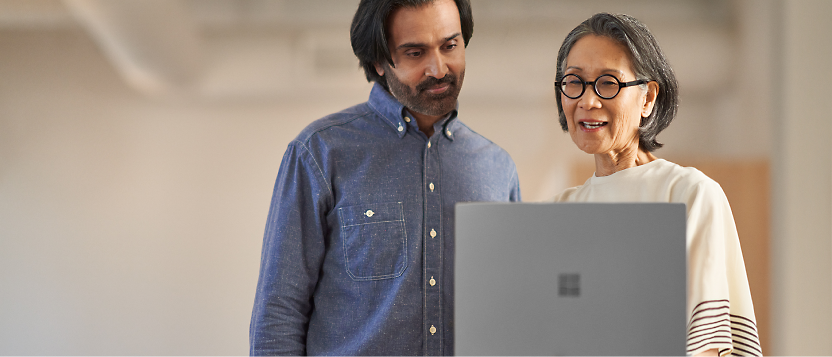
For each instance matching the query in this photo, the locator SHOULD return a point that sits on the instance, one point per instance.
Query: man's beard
(420, 101)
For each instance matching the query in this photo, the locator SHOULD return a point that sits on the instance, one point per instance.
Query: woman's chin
(590, 148)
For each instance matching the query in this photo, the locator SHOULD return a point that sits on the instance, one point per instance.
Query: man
(358, 249)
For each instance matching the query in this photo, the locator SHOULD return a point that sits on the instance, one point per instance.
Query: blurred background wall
(140, 140)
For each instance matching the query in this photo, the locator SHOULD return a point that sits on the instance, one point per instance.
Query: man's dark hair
(648, 63)
(368, 33)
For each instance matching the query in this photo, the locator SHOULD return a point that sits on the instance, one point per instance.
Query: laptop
(570, 279)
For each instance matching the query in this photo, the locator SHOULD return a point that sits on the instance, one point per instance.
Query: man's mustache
(432, 82)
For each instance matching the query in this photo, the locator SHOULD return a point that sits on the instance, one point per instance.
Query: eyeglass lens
(606, 86)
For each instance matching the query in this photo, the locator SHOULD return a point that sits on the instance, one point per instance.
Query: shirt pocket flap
(370, 213)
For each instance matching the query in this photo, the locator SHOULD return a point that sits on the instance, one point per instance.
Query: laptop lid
(570, 279)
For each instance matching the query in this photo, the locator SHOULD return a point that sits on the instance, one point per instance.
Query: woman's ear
(650, 99)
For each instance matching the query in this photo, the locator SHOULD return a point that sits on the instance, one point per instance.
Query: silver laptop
(570, 279)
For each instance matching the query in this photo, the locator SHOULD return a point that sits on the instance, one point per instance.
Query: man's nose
(436, 66)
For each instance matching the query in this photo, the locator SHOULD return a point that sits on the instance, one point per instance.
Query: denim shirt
(358, 252)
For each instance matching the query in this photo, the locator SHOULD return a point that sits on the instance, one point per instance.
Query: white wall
(802, 245)
(132, 224)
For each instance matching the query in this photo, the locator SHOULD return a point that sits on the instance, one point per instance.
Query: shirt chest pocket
(374, 240)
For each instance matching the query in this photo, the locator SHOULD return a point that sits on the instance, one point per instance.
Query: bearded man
(358, 252)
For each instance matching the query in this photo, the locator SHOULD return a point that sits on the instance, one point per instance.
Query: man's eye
(413, 53)
(450, 47)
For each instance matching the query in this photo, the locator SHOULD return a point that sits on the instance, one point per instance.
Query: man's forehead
(432, 22)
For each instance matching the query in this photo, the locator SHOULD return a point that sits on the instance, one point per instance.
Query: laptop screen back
(570, 279)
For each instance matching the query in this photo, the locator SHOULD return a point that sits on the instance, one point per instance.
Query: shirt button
(369, 213)
(432, 233)
(428, 144)
(432, 281)
(431, 186)
(432, 329)
(407, 119)
(449, 132)
(401, 128)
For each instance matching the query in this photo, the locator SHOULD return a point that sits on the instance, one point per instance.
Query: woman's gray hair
(648, 63)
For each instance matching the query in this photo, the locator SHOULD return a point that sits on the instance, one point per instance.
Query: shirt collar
(443, 125)
(394, 112)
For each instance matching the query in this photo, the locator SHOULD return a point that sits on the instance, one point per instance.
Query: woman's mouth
(592, 125)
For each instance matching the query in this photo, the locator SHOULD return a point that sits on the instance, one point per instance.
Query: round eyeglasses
(606, 85)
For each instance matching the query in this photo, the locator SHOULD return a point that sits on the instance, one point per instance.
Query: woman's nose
(589, 99)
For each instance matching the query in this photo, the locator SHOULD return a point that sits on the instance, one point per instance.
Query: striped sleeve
(721, 312)
(713, 326)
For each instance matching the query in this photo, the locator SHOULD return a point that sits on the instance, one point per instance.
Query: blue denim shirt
(358, 253)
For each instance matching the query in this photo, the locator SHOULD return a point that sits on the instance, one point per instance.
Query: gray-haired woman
(615, 92)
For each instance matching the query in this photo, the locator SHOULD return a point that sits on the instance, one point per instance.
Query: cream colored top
(720, 311)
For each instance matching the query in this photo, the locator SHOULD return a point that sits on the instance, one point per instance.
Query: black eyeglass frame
(559, 84)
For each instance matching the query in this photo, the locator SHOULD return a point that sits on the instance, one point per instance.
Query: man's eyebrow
(451, 37)
(411, 45)
(420, 45)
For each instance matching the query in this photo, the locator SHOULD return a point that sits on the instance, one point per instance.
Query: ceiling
(225, 14)
(257, 47)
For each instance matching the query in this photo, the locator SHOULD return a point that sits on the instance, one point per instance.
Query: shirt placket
(433, 237)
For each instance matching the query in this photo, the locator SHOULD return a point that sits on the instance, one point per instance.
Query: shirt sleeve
(292, 255)
(721, 313)
(514, 194)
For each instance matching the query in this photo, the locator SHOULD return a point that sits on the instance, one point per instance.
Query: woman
(615, 92)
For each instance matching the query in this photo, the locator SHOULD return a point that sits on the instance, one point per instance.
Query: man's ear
(379, 69)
